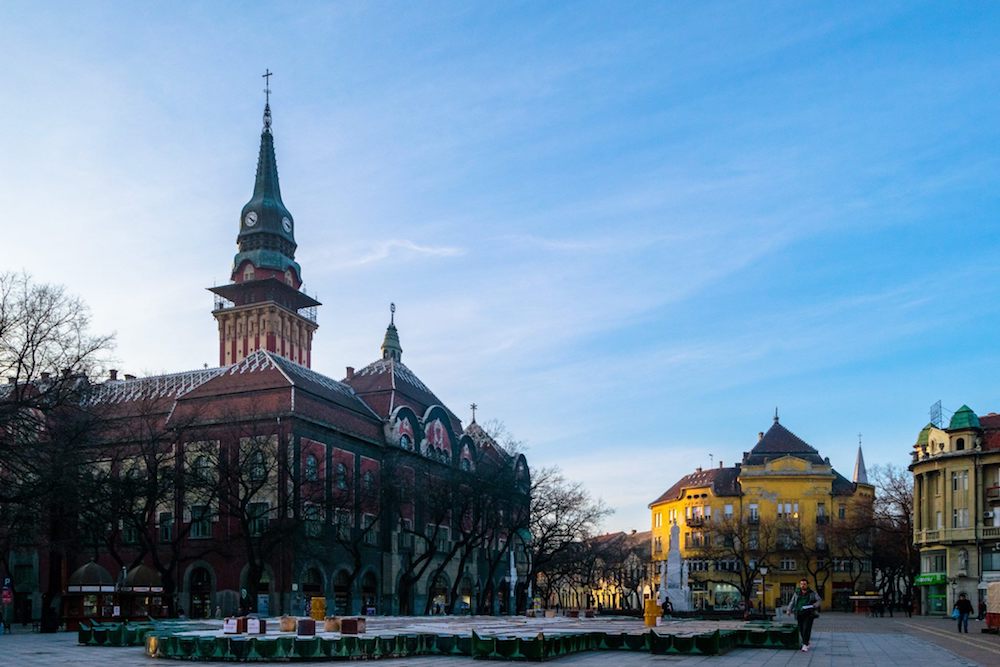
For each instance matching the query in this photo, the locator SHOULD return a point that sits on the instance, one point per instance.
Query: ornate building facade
(749, 532)
(262, 484)
(956, 508)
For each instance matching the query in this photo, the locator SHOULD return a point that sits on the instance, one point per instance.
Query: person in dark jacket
(964, 608)
(805, 605)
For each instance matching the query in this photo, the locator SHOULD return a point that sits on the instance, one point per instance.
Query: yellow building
(781, 514)
(956, 509)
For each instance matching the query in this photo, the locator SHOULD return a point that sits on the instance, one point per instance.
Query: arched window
(960, 444)
(258, 466)
(289, 278)
(248, 272)
(341, 476)
(311, 468)
(369, 481)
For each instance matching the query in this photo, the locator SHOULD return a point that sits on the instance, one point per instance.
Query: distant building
(956, 508)
(274, 484)
(781, 514)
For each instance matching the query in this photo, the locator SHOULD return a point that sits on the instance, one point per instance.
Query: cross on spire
(392, 313)
(267, 85)
(473, 406)
(776, 414)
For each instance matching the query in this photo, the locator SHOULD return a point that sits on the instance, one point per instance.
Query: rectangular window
(960, 518)
(166, 526)
(313, 520)
(129, 534)
(842, 511)
(672, 516)
(658, 520)
(728, 511)
(788, 510)
(754, 513)
(257, 518)
(201, 522)
(787, 565)
(371, 529)
(991, 560)
(939, 523)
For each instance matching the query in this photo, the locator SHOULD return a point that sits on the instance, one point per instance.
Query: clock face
(251, 219)
(287, 224)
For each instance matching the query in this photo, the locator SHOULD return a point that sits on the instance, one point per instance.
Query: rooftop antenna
(711, 460)
(776, 414)
(473, 406)
(935, 413)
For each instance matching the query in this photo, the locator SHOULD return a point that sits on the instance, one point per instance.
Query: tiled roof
(486, 444)
(841, 486)
(173, 385)
(393, 379)
(991, 431)
(721, 480)
(778, 442)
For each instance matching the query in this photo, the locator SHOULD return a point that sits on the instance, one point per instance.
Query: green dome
(964, 418)
(924, 435)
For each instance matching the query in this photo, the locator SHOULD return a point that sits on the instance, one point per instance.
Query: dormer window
(960, 444)
(289, 278)
(248, 273)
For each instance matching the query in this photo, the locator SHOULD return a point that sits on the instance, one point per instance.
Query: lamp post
(763, 588)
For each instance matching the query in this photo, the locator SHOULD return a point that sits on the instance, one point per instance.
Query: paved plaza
(839, 639)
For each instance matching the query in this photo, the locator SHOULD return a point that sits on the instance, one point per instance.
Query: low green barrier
(174, 644)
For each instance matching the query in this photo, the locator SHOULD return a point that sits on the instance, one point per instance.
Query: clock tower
(264, 307)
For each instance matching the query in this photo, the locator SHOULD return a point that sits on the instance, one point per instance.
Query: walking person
(805, 604)
(964, 609)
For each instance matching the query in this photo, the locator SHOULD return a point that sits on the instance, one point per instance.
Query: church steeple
(860, 472)
(263, 307)
(390, 344)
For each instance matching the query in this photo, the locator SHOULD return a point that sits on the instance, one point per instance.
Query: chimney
(45, 377)
(350, 372)
(760, 436)
(720, 464)
(698, 469)
(633, 531)
(114, 374)
(129, 376)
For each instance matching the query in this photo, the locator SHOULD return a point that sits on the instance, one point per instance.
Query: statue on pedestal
(676, 574)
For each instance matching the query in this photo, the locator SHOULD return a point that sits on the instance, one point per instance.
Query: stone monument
(676, 575)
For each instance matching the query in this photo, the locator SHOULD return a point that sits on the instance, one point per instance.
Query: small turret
(391, 348)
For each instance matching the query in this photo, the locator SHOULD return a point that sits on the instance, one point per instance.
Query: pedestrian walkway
(840, 640)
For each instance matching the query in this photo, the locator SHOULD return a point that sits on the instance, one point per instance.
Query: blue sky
(628, 230)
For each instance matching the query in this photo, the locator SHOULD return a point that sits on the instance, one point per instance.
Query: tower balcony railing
(308, 313)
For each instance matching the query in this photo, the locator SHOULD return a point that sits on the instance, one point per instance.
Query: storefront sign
(931, 579)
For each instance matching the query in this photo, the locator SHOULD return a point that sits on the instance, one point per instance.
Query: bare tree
(733, 550)
(563, 516)
(46, 356)
(895, 560)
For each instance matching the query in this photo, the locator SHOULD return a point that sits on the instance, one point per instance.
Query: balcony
(993, 494)
(695, 521)
(932, 535)
(991, 531)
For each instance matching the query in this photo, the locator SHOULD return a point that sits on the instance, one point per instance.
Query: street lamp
(763, 588)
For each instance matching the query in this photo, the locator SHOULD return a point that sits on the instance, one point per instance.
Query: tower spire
(860, 472)
(391, 348)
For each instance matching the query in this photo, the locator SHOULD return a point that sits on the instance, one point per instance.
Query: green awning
(930, 579)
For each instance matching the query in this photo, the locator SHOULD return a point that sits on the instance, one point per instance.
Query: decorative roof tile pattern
(173, 385)
(386, 384)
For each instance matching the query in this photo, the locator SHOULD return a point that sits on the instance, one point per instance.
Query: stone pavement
(839, 640)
